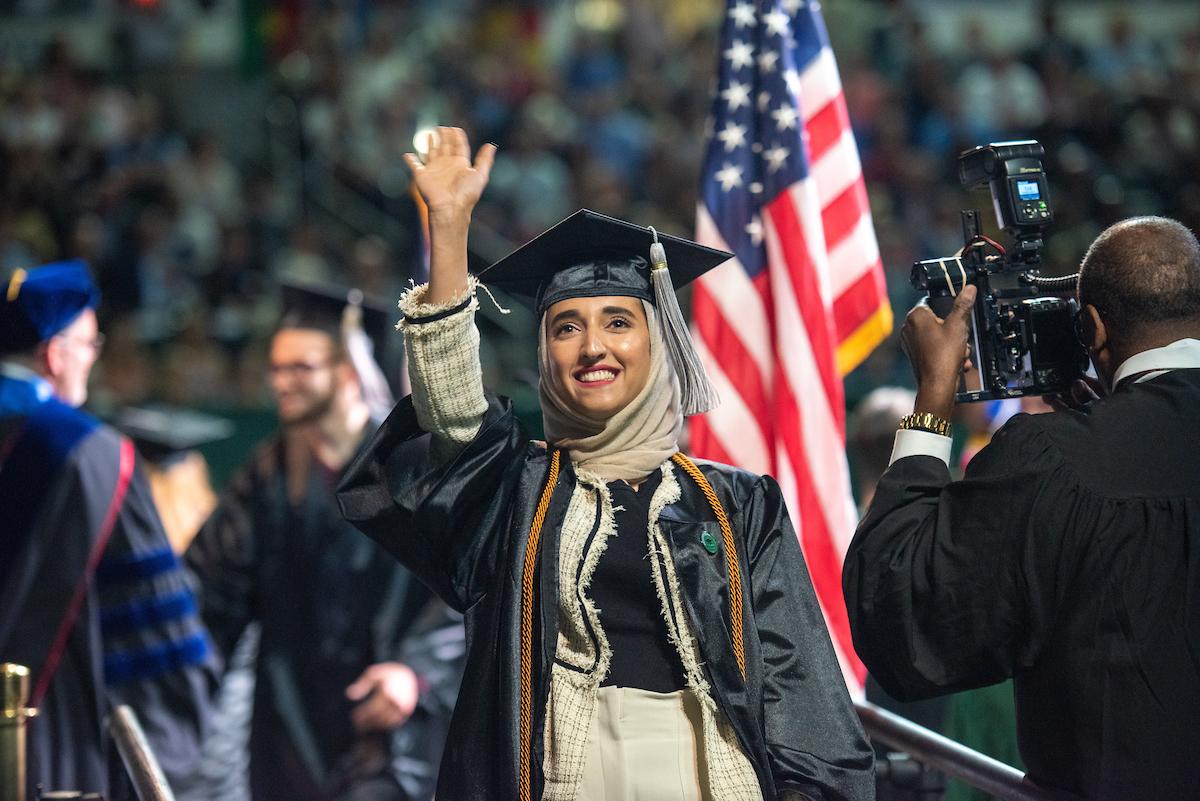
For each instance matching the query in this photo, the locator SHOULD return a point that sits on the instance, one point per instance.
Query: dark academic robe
(463, 529)
(136, 639)
(1069, 559)
(330, 603)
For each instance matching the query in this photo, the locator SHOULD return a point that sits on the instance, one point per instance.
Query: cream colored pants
(644, 746)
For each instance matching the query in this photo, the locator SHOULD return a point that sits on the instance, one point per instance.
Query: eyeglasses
(298, 369)
(96, 343)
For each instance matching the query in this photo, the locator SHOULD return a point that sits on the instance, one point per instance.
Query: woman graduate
(640, 626)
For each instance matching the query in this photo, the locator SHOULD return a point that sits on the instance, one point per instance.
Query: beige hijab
(636, 440)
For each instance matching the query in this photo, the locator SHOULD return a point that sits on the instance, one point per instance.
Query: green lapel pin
(709, 542)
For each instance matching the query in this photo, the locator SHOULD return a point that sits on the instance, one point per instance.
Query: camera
(1024, 338)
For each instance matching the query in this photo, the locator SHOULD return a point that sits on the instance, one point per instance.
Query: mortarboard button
(708, 541)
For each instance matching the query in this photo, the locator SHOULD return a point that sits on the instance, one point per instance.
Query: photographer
(1069, 556)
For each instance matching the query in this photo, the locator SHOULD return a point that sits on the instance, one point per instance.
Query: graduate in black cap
(641, 625)
(358, 663)
(169, 440)
(92, 599)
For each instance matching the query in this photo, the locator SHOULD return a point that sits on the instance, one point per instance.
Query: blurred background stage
(195, 150)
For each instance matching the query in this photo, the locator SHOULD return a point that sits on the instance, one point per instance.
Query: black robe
(330, 603)
(463, 529)
(136, 639)
(1069, 559)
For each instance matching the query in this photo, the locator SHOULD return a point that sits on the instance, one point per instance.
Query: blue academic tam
(36, 304)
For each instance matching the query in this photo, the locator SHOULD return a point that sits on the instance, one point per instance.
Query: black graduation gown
(1069, 559)
(330, 603)
(463, 528)
(136, 640)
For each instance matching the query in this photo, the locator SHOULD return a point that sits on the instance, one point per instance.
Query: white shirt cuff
(911, 442)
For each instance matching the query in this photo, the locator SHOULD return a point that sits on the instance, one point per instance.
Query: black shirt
(624, 593)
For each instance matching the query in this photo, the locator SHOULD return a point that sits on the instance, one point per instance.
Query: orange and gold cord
(731, 559)
(531, 555)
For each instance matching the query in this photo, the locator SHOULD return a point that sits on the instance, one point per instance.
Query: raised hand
(450, 185)
(448, 181)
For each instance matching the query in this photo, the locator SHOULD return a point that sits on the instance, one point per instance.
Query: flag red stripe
(859, 302)
(785, 218)
(843, 213)
(702, 439)
(739, 366)
(824, 562)
(826, 128)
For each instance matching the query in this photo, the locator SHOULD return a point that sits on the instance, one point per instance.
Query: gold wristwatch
(925, 421)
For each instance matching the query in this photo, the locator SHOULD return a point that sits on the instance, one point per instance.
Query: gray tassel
(697, 395)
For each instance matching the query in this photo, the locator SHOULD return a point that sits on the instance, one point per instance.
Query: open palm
(448, 180)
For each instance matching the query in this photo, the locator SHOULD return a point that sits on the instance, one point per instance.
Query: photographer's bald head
(1139, 288)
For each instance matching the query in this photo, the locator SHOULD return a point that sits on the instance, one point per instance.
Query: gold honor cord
(531, 555)
(731, 559)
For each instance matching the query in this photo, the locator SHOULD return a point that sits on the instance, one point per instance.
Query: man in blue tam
(92, 599)
(48, 323)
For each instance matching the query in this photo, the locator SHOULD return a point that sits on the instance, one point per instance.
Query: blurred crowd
(593, 104)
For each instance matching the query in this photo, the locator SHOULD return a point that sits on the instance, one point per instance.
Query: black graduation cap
(163, 432)
(321, 305)
(591, 254)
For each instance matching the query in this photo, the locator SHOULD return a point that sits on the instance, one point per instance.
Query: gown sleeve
(815, 743)
(952, 585)
(442, 344)
(433, 485)
(157, 655)
(223, 557)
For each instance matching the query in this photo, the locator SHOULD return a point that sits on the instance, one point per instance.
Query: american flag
(804, 301)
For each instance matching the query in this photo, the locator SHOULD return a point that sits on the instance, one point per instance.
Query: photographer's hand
(938, 352)
(1082, 392)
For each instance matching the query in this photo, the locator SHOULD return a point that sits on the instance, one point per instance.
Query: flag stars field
(740, 55)
(785, 118)
(776, 157)
(778, 23)
(737, 95)
(733, 136)
(729, 177)
(743, 15)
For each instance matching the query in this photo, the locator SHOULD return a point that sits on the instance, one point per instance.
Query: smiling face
(306, 372)
(69, 357)
(599, 352)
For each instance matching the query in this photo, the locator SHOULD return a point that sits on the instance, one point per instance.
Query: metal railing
(949, 757)
(14, 695)
(143, 769)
